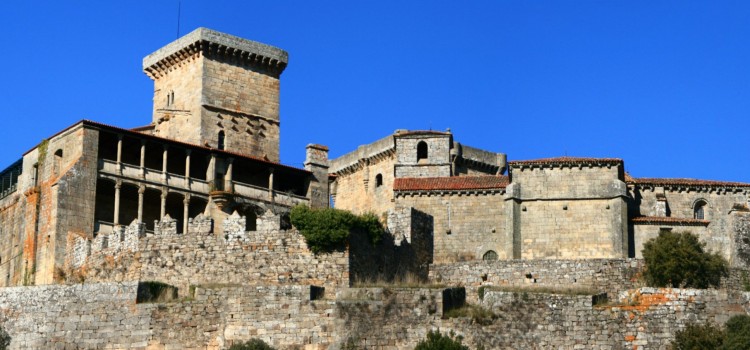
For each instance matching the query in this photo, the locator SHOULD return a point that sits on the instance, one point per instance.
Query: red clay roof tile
(685, 182)
(450, 183)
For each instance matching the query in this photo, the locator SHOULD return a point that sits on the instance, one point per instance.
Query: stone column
(164, 164)
(141, 191)
(119, 154)
(116, 219)
(164, 193)
(211, 172)
(185, 213)
(187, 169)
(270, 183)
(143, 159)
(228, 177)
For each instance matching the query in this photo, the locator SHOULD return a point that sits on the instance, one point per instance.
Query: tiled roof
(567, 161)
(185, 144)
(453, 183)
(655, 220)
(685, 182)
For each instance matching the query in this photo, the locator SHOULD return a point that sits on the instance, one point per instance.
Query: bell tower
(218, 90)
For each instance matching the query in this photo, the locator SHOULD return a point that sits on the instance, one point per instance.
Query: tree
(698, 337)
(678, 259)
(437, 341)
(737, 335)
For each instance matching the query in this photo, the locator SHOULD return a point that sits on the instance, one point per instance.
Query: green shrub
(437, 341)
(252, 344)
(698, 337)
(737, 334)
(328, 229)
(4, 339)
(678, 259)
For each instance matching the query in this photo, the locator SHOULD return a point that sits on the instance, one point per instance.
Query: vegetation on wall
(4, 339)
(437, 341)
(252, 344)
(678, 259)
(734, 336)
(328, 229)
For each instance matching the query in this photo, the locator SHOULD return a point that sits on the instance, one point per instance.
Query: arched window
(57, 164)
(490, 255)
(421, 150)
(378, 180)
(221, 140)
(699, 210)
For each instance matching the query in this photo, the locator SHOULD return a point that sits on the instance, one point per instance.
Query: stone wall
(597, 275)
(680, 202)
(467, 225)
(106, 316)
(567, 211)
(437, 163)
(357, 190)
(267, 257)
(405, 252)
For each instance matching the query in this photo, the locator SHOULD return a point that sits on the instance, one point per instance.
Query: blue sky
(664, 85)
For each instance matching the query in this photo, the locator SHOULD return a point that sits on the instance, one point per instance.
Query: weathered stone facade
(197, 203)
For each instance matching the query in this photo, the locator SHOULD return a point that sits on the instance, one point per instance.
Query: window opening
(421, 150)
(378, 180)
(698, 211)
(221, 140)
(490, 255)
(58, 162)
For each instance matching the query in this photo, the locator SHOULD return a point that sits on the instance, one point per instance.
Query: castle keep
(176, 235)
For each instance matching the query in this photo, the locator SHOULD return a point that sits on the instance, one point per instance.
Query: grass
(541, 290)
(478, 314)
(409, 280)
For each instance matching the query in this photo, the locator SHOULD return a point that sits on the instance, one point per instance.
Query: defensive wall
(111, 316)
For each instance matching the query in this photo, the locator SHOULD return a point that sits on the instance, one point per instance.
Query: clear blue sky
(663, 85)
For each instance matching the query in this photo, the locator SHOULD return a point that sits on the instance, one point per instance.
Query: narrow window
(58, 162)
(490, 255)
(421, 150)
(221, 140)
(698, 210)
(378, 180)
(35, 174)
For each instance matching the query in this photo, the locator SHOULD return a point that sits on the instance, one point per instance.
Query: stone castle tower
(218, 90)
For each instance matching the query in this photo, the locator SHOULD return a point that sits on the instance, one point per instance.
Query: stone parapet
(228, 46)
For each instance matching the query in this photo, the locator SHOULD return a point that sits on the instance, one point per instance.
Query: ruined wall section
(269, 256)
(467, 224)
(596, 275)
(567, 211)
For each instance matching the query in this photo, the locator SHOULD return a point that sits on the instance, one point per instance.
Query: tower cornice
(216, 45)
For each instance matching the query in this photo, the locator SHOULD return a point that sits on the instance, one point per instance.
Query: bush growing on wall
(699, 337)
(734, 336)
(678, 259)
(437, 341)
(252, 344)
(328, 229)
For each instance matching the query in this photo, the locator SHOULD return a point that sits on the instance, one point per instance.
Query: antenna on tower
(178, 18)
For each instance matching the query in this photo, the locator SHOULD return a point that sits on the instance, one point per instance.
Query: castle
(198, 200)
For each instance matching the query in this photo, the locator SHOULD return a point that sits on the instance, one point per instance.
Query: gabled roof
(137, 134)
(454, 183)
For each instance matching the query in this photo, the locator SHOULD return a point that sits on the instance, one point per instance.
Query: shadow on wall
(402, 256)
